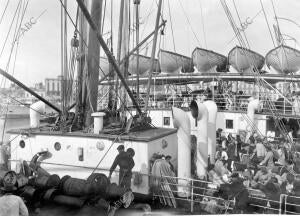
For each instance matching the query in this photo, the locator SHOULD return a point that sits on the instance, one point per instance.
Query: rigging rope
(3, 13)
(188, 20)
(259, 79)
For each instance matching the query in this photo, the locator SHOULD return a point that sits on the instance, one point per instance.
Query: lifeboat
(171, 62)
(206, 60)
(243, 59)
(144, 65)
(284, 59)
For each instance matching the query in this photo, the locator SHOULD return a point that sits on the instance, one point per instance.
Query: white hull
(243, 59)
(80, 153)
(173, 63)
(284, 59)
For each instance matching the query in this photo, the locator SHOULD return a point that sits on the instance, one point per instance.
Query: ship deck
(185, 78)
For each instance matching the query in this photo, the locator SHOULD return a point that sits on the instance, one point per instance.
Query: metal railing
(238, 103)
(198, 193)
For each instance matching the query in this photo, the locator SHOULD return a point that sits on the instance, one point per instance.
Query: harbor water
(12, 123)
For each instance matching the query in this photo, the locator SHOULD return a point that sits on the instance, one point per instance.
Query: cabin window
(229, 123)
(22, 143)
(167, 121)
(57, 146)
(80, 153)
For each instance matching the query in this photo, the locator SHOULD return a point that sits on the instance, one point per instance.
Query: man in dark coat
(236, 190)
(125, 162)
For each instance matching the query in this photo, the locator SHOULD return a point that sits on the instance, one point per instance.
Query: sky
(195, 23)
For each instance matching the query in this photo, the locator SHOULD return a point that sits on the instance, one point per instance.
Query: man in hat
(269, 157)
(11, 205)
(259, 150)
(125, 162)
(236, 190)
(168, 159)
(126, 173)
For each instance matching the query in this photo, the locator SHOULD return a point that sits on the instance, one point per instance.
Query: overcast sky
(201, 23)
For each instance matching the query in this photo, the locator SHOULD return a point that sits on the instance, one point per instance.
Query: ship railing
(229, 104)
(291, 204)
(262, 204)
(198, 194)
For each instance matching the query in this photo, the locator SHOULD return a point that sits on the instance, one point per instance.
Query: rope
(256, 73)
(189, 22)
(202, 21)
(6, 5)
(11, 51)
(263, 9)
(10, 26)
(80, 34)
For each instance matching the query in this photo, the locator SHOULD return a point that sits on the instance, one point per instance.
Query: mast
(93, 63)
(153, 54)
(109, 55)
(80, 69)
(124, 51)
(119, 51)
(137, 3)
(111, 101)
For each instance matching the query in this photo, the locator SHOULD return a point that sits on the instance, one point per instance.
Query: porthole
(164, 144)
(100, 145)
(22, 143)
(57, 146)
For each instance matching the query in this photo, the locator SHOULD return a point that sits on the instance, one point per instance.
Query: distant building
(53, 86)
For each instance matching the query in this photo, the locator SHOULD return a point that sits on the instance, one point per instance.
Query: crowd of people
(271, 167)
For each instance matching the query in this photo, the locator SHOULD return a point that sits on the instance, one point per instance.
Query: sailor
(168, 159)
(127, 175)
(125, 162)
(11, 205)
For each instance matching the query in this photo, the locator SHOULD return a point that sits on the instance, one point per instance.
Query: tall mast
(153, 54)
(64, 56)
(137, 3)
(109, 55)
(119, 49)
(111, 101)
(81, 64)
(124, 52)
(93, 63)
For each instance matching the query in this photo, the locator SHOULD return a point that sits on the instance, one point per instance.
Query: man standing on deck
(125, 162)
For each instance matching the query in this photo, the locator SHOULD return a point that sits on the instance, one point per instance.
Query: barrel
(45, 182)
(41, 182)
(62, 182)
(115, 192)
(29, 193)
(69, 201)
(49, 194)
(99, 183)
(22, 180)
(76, 187)
(8, 177)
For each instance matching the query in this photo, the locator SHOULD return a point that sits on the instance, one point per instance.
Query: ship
(85, 143)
